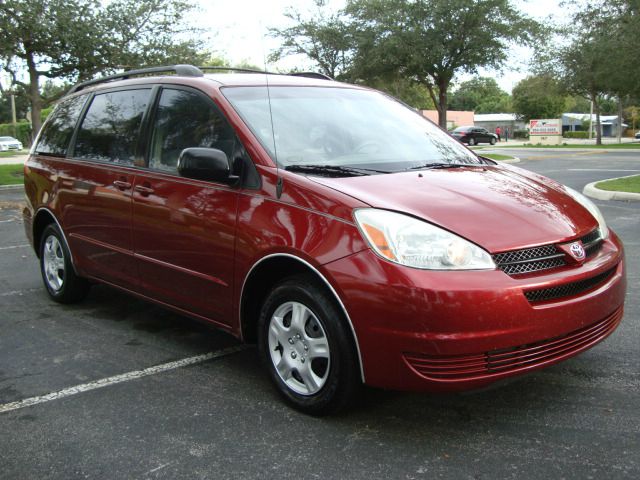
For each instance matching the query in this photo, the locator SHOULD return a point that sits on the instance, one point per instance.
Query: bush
(579, 134)
(520, 134)
(22, 131)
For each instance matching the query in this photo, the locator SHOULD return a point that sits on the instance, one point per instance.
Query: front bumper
(449, 331)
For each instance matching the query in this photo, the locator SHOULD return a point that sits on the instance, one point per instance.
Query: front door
(184, 229)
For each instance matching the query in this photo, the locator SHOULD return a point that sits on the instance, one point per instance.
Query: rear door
(97, 210)
(184, 230)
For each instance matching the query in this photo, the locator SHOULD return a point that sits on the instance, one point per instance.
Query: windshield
(7, 139)
(343, 127)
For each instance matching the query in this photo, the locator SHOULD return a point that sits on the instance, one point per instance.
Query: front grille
(469, 367)
(567, 289)
(545, 257)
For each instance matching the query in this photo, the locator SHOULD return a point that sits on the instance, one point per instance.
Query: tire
(60, 280)
(472, 142)
(307, 347)
(492, 141)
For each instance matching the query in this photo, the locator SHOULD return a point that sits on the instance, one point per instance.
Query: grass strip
(626, 184)
(11, 174)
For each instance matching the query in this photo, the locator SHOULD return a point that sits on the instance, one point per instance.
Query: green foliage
(376, 42)
(481, 95)
(77, 39)
(578, 134)
(517, 134)
(21, 131)
(432, 41)
(324, 38)
(538, 97)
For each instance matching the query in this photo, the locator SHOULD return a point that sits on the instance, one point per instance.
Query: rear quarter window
(56, 134)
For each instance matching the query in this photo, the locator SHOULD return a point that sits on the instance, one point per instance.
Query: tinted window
(56, 134)
(111, 127)
(185, 119)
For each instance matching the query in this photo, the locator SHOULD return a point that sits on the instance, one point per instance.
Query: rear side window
(111, 128)
(56, 134)
(185, 119)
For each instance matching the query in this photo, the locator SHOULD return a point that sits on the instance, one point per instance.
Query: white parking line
(15, 246)
(19, 292)
(123, 377)
(600, 170)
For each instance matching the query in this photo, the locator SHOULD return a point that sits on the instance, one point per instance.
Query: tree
(481, 95)
(431, 41)
(324, 38)
(538, 96)
(76, 39)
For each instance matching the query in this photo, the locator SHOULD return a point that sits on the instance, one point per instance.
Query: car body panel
(190, 245)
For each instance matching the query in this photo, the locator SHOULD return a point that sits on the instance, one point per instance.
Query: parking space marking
(19, 292)
(599, 170)
(123, 377)
(15, 246)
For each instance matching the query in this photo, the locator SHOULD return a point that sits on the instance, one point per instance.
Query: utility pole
(591, 121)
(13, 109)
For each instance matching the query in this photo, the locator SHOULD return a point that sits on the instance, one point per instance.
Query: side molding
(326, 282)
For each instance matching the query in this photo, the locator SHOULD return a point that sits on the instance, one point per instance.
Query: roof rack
(234, 69)
(184, 70)
(316, 75)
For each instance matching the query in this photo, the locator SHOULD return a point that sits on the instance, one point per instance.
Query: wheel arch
(260, 279)
(41, 219)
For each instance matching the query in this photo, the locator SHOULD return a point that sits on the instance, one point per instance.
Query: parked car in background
(10, 143)
(345, 234)
(638, 135)
(474, 135)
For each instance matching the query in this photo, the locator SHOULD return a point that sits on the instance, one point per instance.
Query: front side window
(185, 119)
(56, 133)
(111, 127)
(342, 127)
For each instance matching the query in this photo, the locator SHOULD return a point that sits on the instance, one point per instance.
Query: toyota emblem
(577, 250)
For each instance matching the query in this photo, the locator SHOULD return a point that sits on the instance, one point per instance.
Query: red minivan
(350, 238)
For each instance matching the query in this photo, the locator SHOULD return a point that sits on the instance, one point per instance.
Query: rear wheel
(60, 280)
(307, 348)
(472, 141)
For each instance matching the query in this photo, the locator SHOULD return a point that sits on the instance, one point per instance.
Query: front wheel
(60, 280)
(492, 141)
(307, 348)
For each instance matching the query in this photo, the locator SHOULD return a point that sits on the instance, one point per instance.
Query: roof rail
(316, 75)
(234, 69)
(184, 70)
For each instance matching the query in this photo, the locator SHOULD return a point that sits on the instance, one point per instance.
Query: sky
(237, 30)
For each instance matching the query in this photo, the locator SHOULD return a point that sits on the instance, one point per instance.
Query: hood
(499, 208)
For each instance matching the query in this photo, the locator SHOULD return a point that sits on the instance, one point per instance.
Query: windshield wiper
(335, 170)
(435, 166)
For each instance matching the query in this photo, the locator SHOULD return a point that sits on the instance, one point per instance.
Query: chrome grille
(545, 257)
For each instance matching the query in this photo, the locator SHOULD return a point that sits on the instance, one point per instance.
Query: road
(220, 418)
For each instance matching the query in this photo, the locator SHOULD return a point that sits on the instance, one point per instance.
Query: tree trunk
(442, 105)
(34, 96)
(596, 106)
(619, 119)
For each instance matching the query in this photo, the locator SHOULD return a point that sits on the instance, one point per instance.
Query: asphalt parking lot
(218, 417)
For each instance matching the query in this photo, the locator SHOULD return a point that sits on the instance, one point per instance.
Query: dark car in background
(474, 135)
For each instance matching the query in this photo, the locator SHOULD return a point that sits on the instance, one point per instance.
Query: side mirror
(205, 164)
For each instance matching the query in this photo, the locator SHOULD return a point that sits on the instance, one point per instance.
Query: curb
(12, 188)
(590, 190)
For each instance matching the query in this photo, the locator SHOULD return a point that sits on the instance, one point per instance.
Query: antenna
(273, 133)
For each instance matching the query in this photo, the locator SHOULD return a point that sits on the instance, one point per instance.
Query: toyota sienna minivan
(350, 238)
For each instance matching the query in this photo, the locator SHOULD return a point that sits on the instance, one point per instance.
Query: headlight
(593, 210)
(405, 240)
